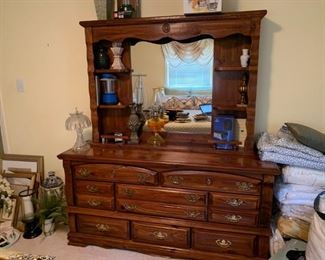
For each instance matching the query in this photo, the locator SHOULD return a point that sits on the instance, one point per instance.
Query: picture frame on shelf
(202, 6)
(18, 163)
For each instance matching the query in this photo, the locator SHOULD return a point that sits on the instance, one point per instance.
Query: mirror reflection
(179, 78)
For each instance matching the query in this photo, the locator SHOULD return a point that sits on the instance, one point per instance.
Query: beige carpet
(56, 245)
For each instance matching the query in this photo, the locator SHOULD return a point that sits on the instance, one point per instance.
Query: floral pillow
(179, 103)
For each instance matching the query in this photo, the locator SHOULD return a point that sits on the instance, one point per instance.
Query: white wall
(42, 43)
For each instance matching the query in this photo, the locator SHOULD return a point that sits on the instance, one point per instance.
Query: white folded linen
(298, 211)
(303, 176)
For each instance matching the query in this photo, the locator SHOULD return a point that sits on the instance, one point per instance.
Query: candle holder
(117, 54)
(243, 92)
(134, 125)
(32, 228)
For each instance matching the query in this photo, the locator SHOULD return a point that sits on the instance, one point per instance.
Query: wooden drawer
(96, 202)
(103, 226)
(162, 235)
(174, 196)
(161, 209)
(223, 242)
(233, 201)
(233, 217)
(214, 181)
(94, 188)
(115, 173)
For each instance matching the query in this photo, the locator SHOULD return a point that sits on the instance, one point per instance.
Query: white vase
(48, 227)
(244, 58)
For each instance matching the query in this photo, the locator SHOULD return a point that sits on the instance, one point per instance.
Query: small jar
(52, 184)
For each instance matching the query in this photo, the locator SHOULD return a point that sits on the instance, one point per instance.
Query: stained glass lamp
(78, 121)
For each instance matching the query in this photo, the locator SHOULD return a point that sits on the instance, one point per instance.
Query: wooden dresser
(177, 203)
(185, 199)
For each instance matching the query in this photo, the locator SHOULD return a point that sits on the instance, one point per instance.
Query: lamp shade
(76, 121)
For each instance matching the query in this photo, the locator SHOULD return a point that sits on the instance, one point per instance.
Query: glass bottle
(127, 9)
(101, 58)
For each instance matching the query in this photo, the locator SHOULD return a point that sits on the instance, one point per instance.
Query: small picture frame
(12, 217)
(202, 6)
(23, 163)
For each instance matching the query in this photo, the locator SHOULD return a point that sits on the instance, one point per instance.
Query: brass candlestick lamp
(243, 92)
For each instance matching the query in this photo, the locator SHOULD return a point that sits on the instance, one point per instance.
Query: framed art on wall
(202, 6)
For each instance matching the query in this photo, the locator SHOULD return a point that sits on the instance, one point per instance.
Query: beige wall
(42, 44)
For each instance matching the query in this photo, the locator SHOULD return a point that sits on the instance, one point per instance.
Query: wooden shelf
(230, 108)
(101, 71)
(235, 68)
(112, 106)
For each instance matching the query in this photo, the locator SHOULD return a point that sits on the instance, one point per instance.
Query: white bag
(315, 249)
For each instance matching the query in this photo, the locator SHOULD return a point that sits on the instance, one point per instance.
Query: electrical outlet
(20, 85)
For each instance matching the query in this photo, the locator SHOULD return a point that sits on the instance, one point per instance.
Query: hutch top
(231, 32)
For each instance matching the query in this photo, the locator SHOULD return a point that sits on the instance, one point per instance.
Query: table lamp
(78, 121)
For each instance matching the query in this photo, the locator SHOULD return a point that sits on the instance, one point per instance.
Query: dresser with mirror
(185, 198)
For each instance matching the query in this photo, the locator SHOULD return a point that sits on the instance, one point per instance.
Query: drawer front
(95, 202)
(175, 196)
(103, 226)
(94, 188)
(223, 242)
(159, 234)
(233, 201)
(115, 173)
(214, 181)
(161, 209)
(233, 217)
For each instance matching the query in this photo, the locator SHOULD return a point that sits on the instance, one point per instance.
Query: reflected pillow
(308, 136)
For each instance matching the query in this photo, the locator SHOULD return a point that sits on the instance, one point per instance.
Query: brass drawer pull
(143, 178)
(223, 243)
(129, 192)
(92, 188)
(192, 198)
(102, 227)
(235, 202)
(244, 186)
(193, 214)
(129, 207)
(177, 180)
(209, 181)
(84, 172)
(94, 203)
(233, 218)
(160, 235)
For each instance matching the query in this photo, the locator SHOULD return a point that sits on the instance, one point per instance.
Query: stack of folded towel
(302, 179)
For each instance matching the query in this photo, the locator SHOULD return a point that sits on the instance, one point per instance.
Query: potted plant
(51, 209)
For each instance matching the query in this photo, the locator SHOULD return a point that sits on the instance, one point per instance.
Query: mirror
(148, 58)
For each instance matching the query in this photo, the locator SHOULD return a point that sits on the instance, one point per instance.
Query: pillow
(308, 136)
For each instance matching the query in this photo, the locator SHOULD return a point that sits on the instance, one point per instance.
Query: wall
(43, 45)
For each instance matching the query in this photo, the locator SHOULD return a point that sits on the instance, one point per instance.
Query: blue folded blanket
(285, 149)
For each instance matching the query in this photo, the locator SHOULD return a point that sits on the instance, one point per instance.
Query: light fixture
(78, 121)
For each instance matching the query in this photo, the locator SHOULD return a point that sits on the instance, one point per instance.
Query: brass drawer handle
(129, 207)
(244, 186)
(84, 172)
(223, 243)
(94, 203)
(209, 181)
(102, 227)
(143, 178)
(129, 192)
(233, 218)
(235, 202)
(177, 180)
(193, 214)
(92, 188)
(192, 198)
(160, 235)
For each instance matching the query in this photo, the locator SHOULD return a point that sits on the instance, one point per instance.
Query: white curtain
(199, 51)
